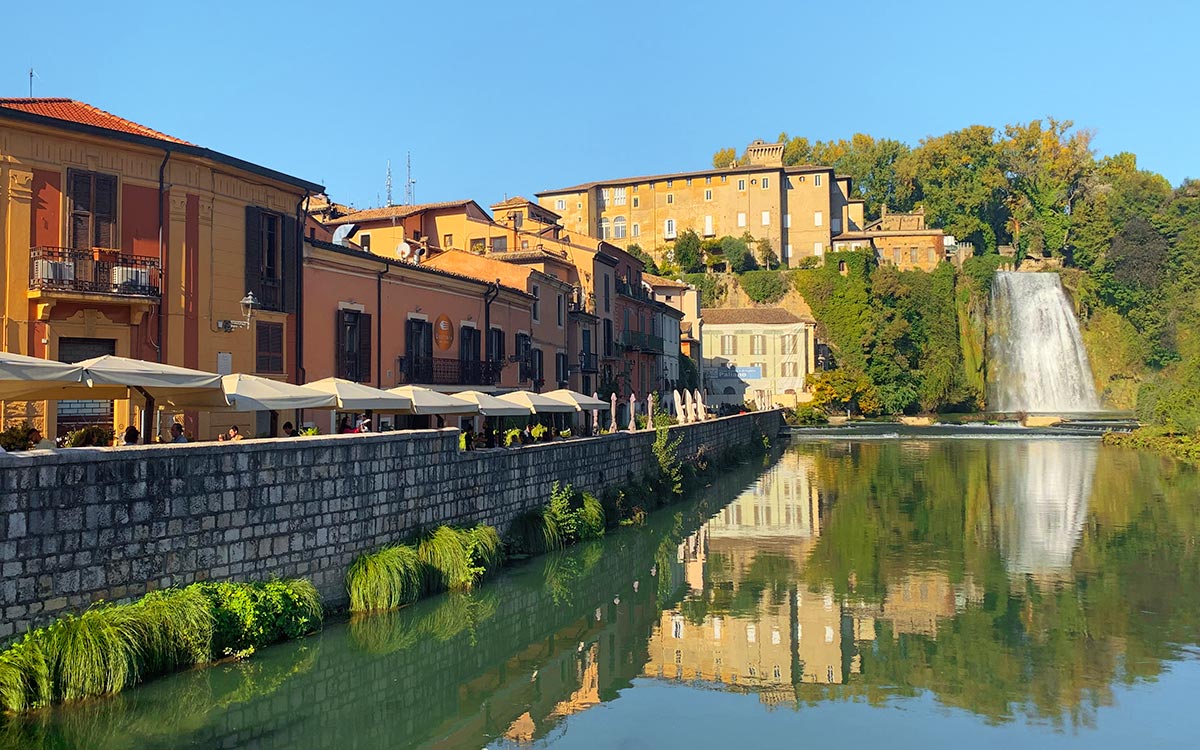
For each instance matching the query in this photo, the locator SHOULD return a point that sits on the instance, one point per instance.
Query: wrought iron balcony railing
(96, 271)
(645, 342)
(446, 371)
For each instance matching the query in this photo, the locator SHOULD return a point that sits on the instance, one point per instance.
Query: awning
(353, 396)
(19, 374)
(425, 401)
(490, 406)
(111, 377)
(253, 393)
(538, 403)
(577, 399)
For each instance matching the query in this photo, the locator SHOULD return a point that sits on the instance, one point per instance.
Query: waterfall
(1036, 360)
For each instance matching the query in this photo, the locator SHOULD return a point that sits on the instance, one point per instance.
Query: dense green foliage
(16, 437)
(764, 287)
(710, 286)
(685, 253)
(111, 647)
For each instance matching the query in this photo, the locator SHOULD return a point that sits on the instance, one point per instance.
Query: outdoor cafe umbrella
(426, 401)
(538, 403)
(490, 406)
(351, 396)
(253, 393)
(19, 374)
(612, 413)
(576, 399)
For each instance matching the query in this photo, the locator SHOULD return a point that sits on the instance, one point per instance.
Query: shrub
(710, 286)
(512, 436)
(666, 455)
(446, 554)
(17, 437)
(384, 580)
(591, 517)
(92, 435)
(804, 415)
(249, 616)
(535, 533)
(539, 431)
(764, 287)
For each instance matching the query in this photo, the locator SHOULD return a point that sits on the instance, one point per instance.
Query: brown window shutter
(79, 193)
(339, 355)
(290, 265)
(254, 251)
(364, 347)
(104, 211)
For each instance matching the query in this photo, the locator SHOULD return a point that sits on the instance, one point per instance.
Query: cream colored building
(800, 209)
(759, 354)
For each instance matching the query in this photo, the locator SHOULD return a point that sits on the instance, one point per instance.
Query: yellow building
(902, 240)
(799, 209)
(119, 239)
(759, 354)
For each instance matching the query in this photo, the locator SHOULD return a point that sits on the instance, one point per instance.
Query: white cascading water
(1036, 359)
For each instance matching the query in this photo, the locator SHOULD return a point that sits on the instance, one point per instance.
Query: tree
(687, 252)
(844, 390)
(636, 251)
(738, 257)
(724, 158)
(766, 254)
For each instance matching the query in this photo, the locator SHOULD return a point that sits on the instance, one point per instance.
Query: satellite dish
(341, 233)
(404, 251)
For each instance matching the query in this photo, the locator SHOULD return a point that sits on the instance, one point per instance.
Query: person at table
(177, 435)
(131, 436)
(289, 430)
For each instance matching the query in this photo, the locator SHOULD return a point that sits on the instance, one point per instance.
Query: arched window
(605, 230)
(729, 390)
(619, 227)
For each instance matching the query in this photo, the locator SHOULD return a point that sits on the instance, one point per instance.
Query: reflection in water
(985, 574)
(1040, 491)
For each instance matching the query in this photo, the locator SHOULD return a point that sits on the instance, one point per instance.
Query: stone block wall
(81, 525)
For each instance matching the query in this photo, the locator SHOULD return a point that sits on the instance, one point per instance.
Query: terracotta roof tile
(653, 280)
(741, 315)
(394, 212)
(70, 110)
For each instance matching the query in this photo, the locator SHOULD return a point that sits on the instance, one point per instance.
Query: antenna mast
(389, 182)
(409, 190)
(31, 76)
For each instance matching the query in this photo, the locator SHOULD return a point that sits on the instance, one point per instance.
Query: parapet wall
(81, 525)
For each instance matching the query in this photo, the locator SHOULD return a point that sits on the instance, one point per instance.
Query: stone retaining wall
(81, 525)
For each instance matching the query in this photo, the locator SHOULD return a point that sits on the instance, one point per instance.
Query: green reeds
(388, 632)
(446, 554)
(387, 579)
(175, 629)
(96, 653)
(591, 517)
(487, 549)
(536, 532)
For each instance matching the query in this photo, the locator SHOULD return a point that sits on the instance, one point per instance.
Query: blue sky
(494, 99)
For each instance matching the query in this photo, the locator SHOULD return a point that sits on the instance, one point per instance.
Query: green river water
(878, 591)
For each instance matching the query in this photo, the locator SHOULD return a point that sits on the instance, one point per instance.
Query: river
(904, 592)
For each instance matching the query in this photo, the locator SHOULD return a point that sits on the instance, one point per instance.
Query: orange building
(119, 239)
(384, 322)
(901, 240)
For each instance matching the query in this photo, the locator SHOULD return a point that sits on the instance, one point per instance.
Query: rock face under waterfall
(1036, 359)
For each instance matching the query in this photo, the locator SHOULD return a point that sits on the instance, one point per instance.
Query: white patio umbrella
(689, 409)
(632, 412)
(490, 406)
(20, 373)
(612, 425)
(576, 399)
(253, 393)
(425, 401)
(679, 412)
(596, 415)
(650, 412)
(539, 403)
(351, 396)
(701, 412)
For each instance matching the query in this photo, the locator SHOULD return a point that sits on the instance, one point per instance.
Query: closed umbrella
(351, 396)
(538, 403)
(612, 425)
(596, 415)
(689, 411)
(632, 412)
(254, 393)
(679, 411)
(20, 375)
(490, 406)
(701, 412)
(426, 401)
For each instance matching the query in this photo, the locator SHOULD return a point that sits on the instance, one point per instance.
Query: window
(912, 255)
(538, 368)
(537, 303)
(669, 229)
(835, 224)
(561, 310)
(787, 370)
(560, 369)
(93, 205)
(619, 227)
(728, 345)
(605, 229)
(353, 346)
(688, 182)
(758, 344)
(269, 224)
(708, 180)
(670, 197)
(560, 204)
(499, 244)
(619, 196)
(268, 346)
(635, 201)
(447, 240)
(708, 226)
(708, 195)
(478, 246)
(741, 219)
(741, 184)
(787, 221)
(751, 635)
(766, 218)
(495, 345)
(766, 183)
(607, 293)
(365, 241)
(670, 183)
(818, 219)
(816, 180)
(788, 344)
(524, 244)
(932, 255)
(635, 230)
(608, 337)
(818, 248)
(635, 187)
(787, 252)
(604, 194)
(896, 256)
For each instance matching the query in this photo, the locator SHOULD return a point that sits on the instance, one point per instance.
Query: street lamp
(248, 303)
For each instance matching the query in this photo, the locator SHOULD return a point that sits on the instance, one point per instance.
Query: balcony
(641, 342)
(446, 371)
(589, 362)
(97, 271)
(633, 291)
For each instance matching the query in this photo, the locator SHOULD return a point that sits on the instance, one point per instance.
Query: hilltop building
(800, 209)
(902, 240)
